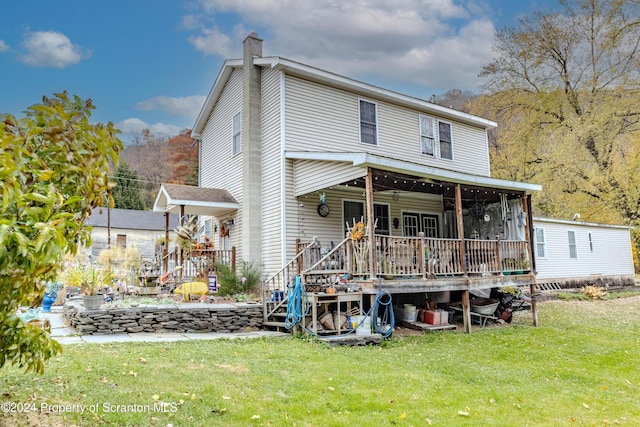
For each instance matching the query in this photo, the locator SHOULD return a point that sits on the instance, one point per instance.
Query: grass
(579, 367)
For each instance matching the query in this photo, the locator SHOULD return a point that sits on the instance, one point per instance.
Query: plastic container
(363, 325)
(444, 317)
(432, 317)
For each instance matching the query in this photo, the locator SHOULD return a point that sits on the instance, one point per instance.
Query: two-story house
(306, 155)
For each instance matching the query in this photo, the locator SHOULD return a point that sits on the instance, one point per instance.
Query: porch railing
(398, 257)
(274, 289)
(395, 257)
(199, 264)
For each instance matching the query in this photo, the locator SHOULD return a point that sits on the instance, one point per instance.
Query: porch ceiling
(397, 175)
(196, 200)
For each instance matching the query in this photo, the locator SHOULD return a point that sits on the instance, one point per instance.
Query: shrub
(246, 282)
(594, 292)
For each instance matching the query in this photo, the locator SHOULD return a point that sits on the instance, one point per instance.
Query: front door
(414, 223)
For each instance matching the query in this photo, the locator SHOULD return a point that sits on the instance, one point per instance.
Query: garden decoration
(50, 295)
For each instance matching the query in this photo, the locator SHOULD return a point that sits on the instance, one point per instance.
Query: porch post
(526, 203)
(534, 310)
(466, 312)
(165, 249)
(371, 220)
(460, 229)
(180, 258)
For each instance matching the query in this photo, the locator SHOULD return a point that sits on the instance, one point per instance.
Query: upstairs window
(427, 136)
(444, 132)
(237, 136)
(435, 138)
(368, 123)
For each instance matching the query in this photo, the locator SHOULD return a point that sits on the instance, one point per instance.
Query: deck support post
(466, 312)
(534, 309)
(371, 232)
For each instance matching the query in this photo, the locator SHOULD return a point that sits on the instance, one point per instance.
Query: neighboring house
(579, 253)
(305, 153)
(126, 227)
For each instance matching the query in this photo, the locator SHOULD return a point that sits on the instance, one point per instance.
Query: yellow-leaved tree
(53, 168)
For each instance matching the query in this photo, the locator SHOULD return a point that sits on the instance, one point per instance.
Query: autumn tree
(126, 192)
(54, 167)
(182, 152)
(147, 156)
(563, 87)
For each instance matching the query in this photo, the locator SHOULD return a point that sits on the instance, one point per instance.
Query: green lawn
(580, 367)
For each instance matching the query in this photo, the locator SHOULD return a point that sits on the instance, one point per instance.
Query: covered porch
(185, 201)
(473, 233)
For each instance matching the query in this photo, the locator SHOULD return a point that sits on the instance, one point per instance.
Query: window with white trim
(590, 243)
(541, 244)
(435, 138)
(368, 123)
(237, 135)
(573, 248)
(355, 211)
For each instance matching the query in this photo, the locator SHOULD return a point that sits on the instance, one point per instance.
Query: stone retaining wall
(179, 318)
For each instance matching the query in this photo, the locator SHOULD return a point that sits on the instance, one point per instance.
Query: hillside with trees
(563, 88)
(156, 160)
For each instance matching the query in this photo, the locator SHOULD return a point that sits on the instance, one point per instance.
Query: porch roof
(364, 160)
(196, 200)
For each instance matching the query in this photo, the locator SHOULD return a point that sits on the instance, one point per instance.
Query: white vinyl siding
(435, 138)
(236, 143)
(311, 175)
(271, 173)
(368, 123)
(306, 222)
(216, 154)
(325, 119)
(612, 259)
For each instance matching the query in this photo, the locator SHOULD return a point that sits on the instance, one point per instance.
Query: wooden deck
(440, 284)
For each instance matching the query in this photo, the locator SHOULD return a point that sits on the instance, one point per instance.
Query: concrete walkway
(65, 334)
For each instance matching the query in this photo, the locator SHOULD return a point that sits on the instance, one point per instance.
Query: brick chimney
(251, 151)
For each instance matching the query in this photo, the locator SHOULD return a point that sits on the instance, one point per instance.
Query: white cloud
(433, 43)
(187, 106)
(3, 46)
(51, 49)
(134, 126)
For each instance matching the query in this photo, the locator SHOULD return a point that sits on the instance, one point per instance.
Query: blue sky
(150, 63)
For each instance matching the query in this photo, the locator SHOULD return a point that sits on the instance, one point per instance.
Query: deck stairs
(316, 270)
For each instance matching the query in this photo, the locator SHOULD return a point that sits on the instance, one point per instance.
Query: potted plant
(91, 280)
(508, 265)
